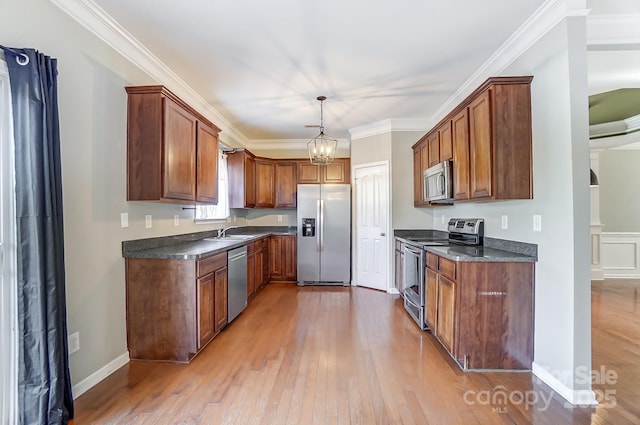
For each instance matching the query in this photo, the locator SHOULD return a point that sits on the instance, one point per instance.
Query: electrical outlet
(176, 220)
(505, 222)
(234, 218)
(279, 219)
(537, 223)
(74, 342)
(148, 223)
(124, 219)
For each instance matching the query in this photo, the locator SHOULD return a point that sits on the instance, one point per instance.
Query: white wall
(619, 190)
(92, 104)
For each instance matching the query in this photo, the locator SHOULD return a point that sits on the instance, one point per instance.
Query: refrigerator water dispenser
(308, 227)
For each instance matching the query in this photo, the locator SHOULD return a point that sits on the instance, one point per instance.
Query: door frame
(354, 225)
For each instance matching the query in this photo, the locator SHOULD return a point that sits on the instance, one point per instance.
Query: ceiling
(262, 64)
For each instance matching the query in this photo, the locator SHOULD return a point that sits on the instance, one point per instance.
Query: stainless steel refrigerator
(324, 234)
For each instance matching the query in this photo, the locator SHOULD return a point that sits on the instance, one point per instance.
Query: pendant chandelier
(322, 148)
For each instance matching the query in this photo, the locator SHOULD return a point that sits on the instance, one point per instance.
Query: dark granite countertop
(195, 246)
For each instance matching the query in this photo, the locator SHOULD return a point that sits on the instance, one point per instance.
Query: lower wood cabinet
(174, 307)
(283, 258)
(482, 312)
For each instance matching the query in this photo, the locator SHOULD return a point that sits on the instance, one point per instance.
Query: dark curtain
(44, 384)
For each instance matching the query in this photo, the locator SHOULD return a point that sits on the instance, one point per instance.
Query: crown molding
(285, 144)
(530, 32)
(91, 16)
(389, 125)
(613, 32)
(615, 128)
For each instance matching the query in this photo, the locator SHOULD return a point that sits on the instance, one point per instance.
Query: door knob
(382, 234)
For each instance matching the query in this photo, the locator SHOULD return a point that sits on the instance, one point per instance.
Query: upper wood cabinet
(460, 124)
(488, 136)
(286, 184)
(172, 151)
(420, 164)
(207, 164)
(241, 167)
(336, 172)
(265, 184)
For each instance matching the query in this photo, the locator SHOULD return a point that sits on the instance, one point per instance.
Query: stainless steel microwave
(438, 183)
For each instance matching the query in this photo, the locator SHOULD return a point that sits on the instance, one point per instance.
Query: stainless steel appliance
(462, 231)
(237, 282)
(324, 234)
(438, 183)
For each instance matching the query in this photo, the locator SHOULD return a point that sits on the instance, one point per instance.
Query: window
(221, 210)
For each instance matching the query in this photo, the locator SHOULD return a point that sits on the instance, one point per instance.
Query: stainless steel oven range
(462, 231)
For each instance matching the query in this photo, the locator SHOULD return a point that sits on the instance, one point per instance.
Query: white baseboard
(574, 397)
(93, 379)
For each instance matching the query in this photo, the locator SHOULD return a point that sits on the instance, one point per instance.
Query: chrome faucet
(223, 231)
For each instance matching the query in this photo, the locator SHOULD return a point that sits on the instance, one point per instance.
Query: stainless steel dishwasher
(237, 293)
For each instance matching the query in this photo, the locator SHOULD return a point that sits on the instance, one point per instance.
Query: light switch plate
(74, 342)
(148, 223)
(124, 219)
(504, 222)
(537, 223)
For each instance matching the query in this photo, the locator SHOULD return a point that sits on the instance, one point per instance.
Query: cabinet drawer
(432, 261)
(209, 264)
(448, 268)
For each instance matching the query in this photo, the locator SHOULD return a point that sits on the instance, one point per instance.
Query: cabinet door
(259, 264)
(286, 185)
(265, 260)
(308, 173)
(179, 172)
(207, 165)
(433, 143)
(446, 143)
(275, 261)
(205, 309)
(418, 180)
(431, 301)
(446, 312)
(289, 257)
(220, 311)
(265, 184)
(251, 274)
(337, 172)
(249, 182)
(460, 125)
(480, 144)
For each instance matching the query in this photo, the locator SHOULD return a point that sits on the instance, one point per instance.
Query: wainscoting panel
(620, 255)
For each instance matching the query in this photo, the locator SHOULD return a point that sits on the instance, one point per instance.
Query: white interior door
(372, 225)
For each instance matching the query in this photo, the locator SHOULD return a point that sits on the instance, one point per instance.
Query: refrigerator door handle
(322, 225)
(319, 224)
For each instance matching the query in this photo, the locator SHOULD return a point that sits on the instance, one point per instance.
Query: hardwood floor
(334, 355)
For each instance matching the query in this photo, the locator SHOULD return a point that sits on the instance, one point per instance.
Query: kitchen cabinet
(488, 136)
(174, 307)
(286, 184)
(265, 184)
(283, 265)
(251, 270)
(433, 144)
(337, 172)
(399, 265)
(460, 135)
(420, 164)
(482, 312)
(266, 274)
(241, 167)
(172, 151)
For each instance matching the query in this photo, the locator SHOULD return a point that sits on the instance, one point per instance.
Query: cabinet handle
(492, 293)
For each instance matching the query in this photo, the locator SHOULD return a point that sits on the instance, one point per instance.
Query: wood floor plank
(348, 356)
